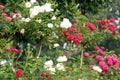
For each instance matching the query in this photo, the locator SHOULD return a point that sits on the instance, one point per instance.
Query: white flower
(27, 4)
(47, 7)
(32, 1)
(33, 12)
(97, 68)
(52, 70)
(17, 15)
(64, 45)
(22, 31)
(65, 23)
(60, 66)
(22, 19)
(27, 20)
(56, 45)
(62, 59)
(39, 21)
(53, 18)
(3, 62)
(50, 25)
(48, 64)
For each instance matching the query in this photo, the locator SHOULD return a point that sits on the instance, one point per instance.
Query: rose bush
(41, 44)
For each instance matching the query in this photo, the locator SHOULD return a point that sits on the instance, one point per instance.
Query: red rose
(75, 21)
(78, 36)
(72, 29)
(8, 49)
(76, 41)
(102, 73)
(18, 73)
(43, 75)
(70, 38)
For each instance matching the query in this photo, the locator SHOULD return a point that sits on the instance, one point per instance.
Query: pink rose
(4, 14)
(8, 19)
(98, 58)
(85, 54)
(96, 47)
(101, 51)
(2, 7)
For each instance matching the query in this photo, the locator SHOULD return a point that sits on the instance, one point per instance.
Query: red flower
(102, 73)
(8, 19)
(111, 27)
(43, 75)
(14, 50)
(114, 32)
(72, 29)
(76, 41)
(2, 7)
(103, 27)
(8, 49)
(78, 36)
(111, 20)
(64, 78)
(65, 33)
(18, 73)
(75, 21)
(103, 22)
(70, 38)
(90, 25)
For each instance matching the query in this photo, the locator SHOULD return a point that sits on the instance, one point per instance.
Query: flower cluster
(90, 26)
(13, 50)
(104, 63)
(18, 73)
(48, 65)
(72, 35)
(108, 22)
(44, 75)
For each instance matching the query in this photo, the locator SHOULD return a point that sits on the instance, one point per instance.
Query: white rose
(48, 64)
(27, 20)
(3, 62)
(47, 7)
(64, 45)
(50, 25)
(65, 23)
(60, 66)
(62, 59)
(56, 45)
(39, 21)
(97, 68)
(53, 18)
(32, 1)
(33, 12)
(22, 31)
(27, 4)
(52, 70)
